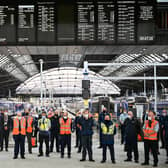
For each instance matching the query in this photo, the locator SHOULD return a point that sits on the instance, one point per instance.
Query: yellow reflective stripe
(17, 124)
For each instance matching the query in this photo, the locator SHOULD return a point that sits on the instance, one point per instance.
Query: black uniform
(6, 124)
(86, 133)
(55, 133)
(132, 129)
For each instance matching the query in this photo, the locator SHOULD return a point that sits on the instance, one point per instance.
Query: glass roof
(67, 80)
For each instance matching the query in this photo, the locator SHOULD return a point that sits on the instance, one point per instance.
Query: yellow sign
(86, 103)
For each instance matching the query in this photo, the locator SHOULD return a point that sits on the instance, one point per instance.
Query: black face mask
(56, 115)
(27, 114)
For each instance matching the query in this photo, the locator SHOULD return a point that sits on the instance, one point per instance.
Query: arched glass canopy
(67, 81)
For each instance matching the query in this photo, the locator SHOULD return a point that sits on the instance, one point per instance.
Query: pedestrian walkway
(54, 161)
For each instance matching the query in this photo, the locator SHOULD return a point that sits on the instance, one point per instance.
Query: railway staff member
(166, 136)
(101, 120)
(123, 117)
(19, 133)
(6, 124)
(65, 133)
(44, 126)
(29, 130)
(132, 129)
(55, 132)
(86, 124)
(150, 130)
(108, 132)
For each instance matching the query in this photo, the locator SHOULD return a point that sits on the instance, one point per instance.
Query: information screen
(7, 24)
(146, 22)
(126, 21)
(78, 22)
(26, 24)
(86, 21)
(106, 21)
(46, 22)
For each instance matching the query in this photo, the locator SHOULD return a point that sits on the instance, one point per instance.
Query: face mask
(146, 112)
(129, 117)
(164, 114)
(86, 116)
(19, 117)
(125, 112)
(27, 114)
(149, 118)
(65, 117)
(79, 115)
(43, 117)
(5, 113)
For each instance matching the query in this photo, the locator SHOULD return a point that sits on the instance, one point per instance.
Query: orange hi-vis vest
(16, 123)
(65, 127)
(29, 124)
(149, 130)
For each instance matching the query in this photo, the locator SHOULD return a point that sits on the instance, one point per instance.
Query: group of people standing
(58, 128)
(149, 130)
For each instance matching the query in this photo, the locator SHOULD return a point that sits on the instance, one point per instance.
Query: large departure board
(7, 24)
(26, 24)
(78, 22)
(106, 21)
(46, 22)
(126, 21)
(85, 21)
(146, 22)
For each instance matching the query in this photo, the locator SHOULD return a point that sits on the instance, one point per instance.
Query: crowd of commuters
(56, 127)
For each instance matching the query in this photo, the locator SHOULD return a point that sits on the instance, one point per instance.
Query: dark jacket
(108, 139)
(86, 126)
(166, 130)
(6, 123)
(76, 123)
(55, 127)
(132, 129)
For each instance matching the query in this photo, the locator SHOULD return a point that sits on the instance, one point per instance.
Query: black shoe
(51, 151)
(103, 161)
(91, 160)
(62, 156)
(145, 164)
(76, 146)
(22, 157)
(1, 150)
(30, 152)
(99, 147)
(136, 161)
(127, 160)
(15, 157)
(78, 151)
(47, 155)
(166, 162)
(155, 165)
(82, 160)
(6, 150)
(69, 156)
(162, 147)
(58, 151)
(113, 161)
(40, 155)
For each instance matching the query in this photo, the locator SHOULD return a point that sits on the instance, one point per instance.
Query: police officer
(108, 132)
(19, 133)
(122, 118)
(132, 129)
(44, 126)
(150, 130)
(55, 131)
(29, 130)
(6, 123)
(86, 125)
(100, 120)
(65, 133)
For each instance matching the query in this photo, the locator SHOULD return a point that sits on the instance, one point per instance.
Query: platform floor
(32, 161)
